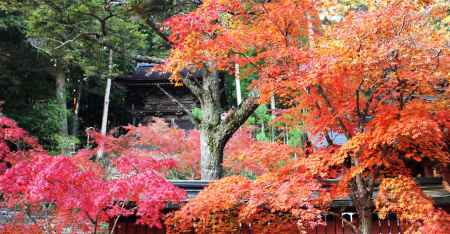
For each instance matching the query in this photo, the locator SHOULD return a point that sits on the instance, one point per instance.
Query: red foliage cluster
(15, 144)
(60, 191)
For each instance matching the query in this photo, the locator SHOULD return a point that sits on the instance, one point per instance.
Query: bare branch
(192, 85)
(34, 45)
(158, 31)
(95, 37)
(68, 41)
(185, 109)
(117, 219)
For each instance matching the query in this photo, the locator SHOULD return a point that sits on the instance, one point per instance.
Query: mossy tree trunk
(216, 124)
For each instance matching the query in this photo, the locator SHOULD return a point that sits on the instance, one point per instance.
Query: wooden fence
(333, 226)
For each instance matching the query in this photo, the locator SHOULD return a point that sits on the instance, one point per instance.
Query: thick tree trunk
(215, 128)
(361, 195)
(211, 150)
(60, 89)
(211, 146)
(365, 221)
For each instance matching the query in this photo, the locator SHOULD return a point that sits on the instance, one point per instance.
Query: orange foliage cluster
(402, 197)
(275, 202)
(222, 33)
(245, 154)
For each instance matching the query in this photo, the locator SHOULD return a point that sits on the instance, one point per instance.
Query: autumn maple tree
(379, 78)
(216, 36)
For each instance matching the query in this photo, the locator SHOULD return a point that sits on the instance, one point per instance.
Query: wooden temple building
(151, 94)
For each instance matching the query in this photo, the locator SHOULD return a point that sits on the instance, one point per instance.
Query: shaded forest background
(28, 82)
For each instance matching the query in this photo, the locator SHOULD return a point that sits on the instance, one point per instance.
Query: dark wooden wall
(148, 101)
(334, 226)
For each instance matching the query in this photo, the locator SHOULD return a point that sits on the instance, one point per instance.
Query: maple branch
(236, 118)
(358, 109)
(278, 27)
(116, 220)
(158, 31)
(321, 92)
(328, 139)
(185, 109)
(192, 85)
(402, 26)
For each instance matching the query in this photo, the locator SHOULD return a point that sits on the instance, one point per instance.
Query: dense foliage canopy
(377, 77)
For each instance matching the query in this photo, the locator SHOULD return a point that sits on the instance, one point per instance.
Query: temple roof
(145, 72)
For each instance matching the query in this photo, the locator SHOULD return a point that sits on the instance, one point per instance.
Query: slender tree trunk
(76, 110)
(106, 107)
(238, 84)
(104, 125)
(107, 94)
(272, 110)
(60, 79)
(1, 107)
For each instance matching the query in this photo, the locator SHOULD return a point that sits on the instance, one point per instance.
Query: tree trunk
(60, 89)
(211, 146)
(60, 81)
(106, 107)
(365, 221)
(76, 110)
(238, 84)
(216, 127)
(104, 124)
(211, 150)
(361, 195)
(107, 94)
